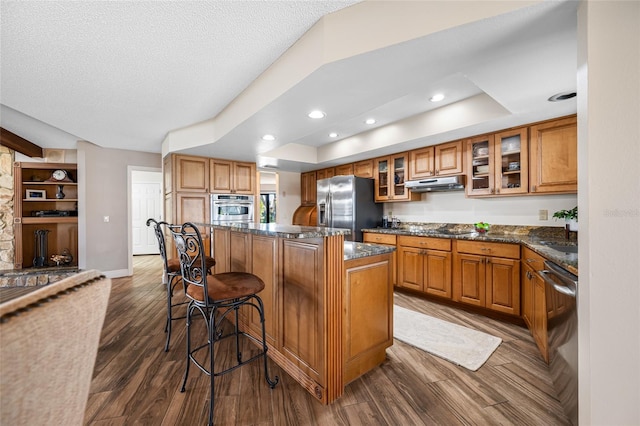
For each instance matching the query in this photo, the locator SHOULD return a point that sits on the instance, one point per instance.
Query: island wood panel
(240, 252)
(221, 243)
(264, 264)
(368, 304)
(303, 301)
(334, 275)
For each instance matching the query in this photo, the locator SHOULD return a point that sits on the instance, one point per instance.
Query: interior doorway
(267, 200)
(146, 202)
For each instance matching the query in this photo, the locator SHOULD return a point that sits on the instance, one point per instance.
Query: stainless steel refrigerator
(348, 202)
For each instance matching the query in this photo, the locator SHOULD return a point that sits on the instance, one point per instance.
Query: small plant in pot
(570, 217)
(481, 227)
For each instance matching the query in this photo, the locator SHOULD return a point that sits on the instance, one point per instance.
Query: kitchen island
(328, 303)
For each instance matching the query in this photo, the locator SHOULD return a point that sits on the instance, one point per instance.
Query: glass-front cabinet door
(498, 164)
(511, 156)
(390, 175)
(480, 165)
(381, 168)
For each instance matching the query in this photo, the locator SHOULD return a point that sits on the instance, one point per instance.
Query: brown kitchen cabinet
(424, 264)
(232, 177)
(439, 160)
(35, 192)
(363, 169)
(534, 300)
(497, 164)
(487, 275)
(390, 175)
(553, 157)
(386, 240)
(189, 173)
(308, 188)
(344, 170)
(325, 173)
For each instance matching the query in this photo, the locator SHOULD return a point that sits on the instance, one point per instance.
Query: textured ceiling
(124, 74)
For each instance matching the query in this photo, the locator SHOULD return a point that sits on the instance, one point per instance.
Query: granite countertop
(354, 250)
(280, 231)
(528, 236)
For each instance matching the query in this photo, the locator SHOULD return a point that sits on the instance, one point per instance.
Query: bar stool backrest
(191, 254)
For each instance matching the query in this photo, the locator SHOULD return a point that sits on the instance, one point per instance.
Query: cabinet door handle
(531, 260)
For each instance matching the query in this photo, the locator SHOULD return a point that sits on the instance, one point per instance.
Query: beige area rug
(460, 345)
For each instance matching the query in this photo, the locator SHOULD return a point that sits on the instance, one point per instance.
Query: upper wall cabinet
(498, 163)
(554, 157)
(232, 177)
(325, 173)
(344, 170)
(308, 188)
(189, 174)
(363, 169)
(440, 160)
(390, 176)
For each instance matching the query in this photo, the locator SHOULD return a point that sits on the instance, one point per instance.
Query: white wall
(609, 203)
(103, 191)
(288, 196)
(454, 207)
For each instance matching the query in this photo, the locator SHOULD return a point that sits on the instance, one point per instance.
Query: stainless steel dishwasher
(562, 328)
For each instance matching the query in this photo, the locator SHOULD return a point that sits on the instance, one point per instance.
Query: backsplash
(454, 207)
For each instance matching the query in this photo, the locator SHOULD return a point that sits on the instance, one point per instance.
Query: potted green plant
(570, 217)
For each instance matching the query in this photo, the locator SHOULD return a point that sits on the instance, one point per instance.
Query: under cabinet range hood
(449, 183)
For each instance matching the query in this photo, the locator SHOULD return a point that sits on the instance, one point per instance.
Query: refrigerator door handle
(329, 210)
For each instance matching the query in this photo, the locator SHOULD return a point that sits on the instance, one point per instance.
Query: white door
(145, 203)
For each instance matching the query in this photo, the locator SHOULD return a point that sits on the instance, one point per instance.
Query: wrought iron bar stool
(214, 297)
(171, 275)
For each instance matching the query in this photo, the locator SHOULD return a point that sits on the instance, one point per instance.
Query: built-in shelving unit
(46, 207)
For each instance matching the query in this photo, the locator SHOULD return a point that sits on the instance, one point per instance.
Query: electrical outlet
(543, 214)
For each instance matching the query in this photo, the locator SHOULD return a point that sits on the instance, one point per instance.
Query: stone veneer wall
(7, 237)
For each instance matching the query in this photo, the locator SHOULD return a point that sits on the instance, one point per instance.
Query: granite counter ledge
(279, 231)
(355, 250)
(529, 236)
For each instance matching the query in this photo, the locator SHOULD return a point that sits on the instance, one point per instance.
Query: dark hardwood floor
(136, 382)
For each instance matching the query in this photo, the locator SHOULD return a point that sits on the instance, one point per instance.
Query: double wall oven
(230, 208)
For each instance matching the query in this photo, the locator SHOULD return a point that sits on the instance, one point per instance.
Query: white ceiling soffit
(502, 68)
(121, 74)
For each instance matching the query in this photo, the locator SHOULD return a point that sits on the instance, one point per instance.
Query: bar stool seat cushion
(173, 265)
(227, 285)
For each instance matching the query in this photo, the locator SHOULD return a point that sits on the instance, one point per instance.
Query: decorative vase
(60, 195)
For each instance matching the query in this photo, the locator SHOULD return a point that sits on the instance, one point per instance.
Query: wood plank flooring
(136, 382)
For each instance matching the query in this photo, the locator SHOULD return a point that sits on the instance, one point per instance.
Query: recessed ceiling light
(562, 96)
(370, 121)
(333, 135)
(317, 114)
(437, 97)
(268, 138)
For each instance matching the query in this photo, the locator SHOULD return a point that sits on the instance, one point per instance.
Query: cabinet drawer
(370, 237)
(511, 251)
(533, 259)
(425, 242)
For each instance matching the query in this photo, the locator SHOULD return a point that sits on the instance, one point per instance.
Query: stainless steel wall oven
(230, 208)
